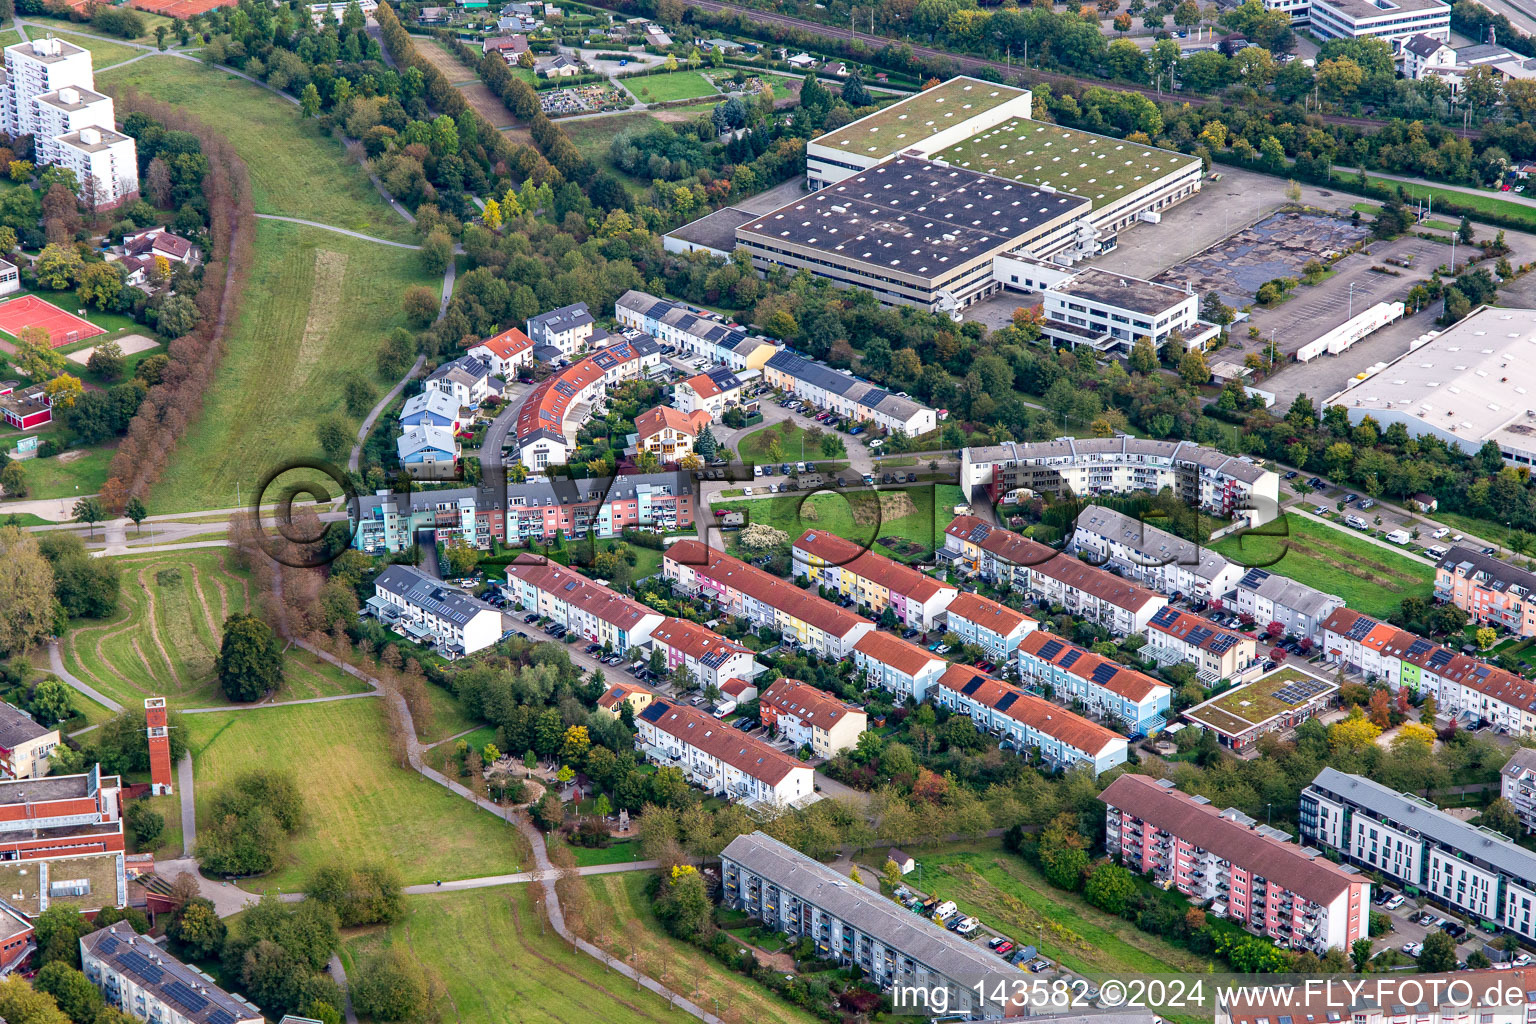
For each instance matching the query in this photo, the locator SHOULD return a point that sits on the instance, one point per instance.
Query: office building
(1393, 21)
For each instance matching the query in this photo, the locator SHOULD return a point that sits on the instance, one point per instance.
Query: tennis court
(30, 311)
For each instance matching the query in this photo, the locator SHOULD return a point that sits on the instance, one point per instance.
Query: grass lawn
(448, 717)
(69, 474)
(860, 516)
(1478, 203)
(754, 447)
(258, 123)
(1482, 529)
(169, 843)
(488, 949)
(1011, 896)
(65, 25)
(674, 85)
(9, 37)
(103, 54)
(615, 853)
(1370, 579)
(441, 755)
(633, 928)
(316, 307)
(166, 634)
(358, 802)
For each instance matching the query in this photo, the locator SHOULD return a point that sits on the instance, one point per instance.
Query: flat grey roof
(1360, 10)
(914, 217)
(716, 230)
(1125, 292)
(866, 910)
(1407, 811)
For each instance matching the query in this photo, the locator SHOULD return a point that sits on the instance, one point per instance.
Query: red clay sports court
(30, 311)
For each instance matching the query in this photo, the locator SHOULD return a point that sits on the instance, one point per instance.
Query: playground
(30, 311)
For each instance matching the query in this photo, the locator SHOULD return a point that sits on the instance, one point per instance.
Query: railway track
(966, 62)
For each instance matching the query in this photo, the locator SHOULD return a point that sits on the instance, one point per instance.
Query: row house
(1005, 558)
(721, 760)
(709, 658)
(982, 622)
(587, 609)
(1255, 874)
(850, 397)
(698, 333)
(897, 665)
(1489, 589)
(1266, 597)
(1470, 869)
(568, 329)
(809, 717)
(420, 607)
(1206, 478)
(539, 508)
(873, 581)
(1463, 686)
(855, 926)
(387, 522)
(554, 410)
(1105, 687)
(1517, 784)
(1175, 637)
(668, 433)
(1029, 723)
(764, 600)
(711, 392)
(509, 354)
(1163, 561)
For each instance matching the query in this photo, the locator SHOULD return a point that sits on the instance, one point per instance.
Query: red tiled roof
(653, 421)
(546, 406)
(703, 386)
(885, 572)
(985, 612)
(1001, 543)
(745, 753)
(1099, 583)
(760, 586)
(695, 641)
(573, 588)
(803, 701)
(1182, 624)
(892, 650)
(1036, 712)
(617, 692)
(1125, 682)
(1178, 814)
(506, 344)
(734, 687)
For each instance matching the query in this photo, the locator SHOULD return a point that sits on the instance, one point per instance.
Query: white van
(1356, 522)
(1399, 536)
(944, 911)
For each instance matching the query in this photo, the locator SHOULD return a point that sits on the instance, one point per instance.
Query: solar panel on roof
(1007, 701)
(1419, 646)
(1070, 658)
(183, 995)
(1104, 673)
(1165, 616)
(1050, 649)
(1199, 635)
(1361, 627)
(972, 686)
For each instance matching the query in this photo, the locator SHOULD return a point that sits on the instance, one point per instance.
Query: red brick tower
(159, 745)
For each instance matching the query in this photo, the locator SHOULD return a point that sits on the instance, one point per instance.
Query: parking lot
(1414, 919)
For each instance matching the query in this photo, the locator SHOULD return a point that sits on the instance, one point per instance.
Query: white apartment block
(719, 759)
(1029, 723)
(1299, 10)
(995, 628)
(1517, 784)
(588, 609)
(49, 93)
(137, 976)
(1209, 479)
(24, 745)
(809, 717)
(1394, 21)
(420, 607)
(1301, 609)
(1163, 561)
(873, 581)
(1256, 874)
(851, 924)
(1472, 870)
(709, 658)
(1111, 312)
(893, 664)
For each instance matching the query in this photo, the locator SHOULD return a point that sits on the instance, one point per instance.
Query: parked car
(1441, 532)
(1413, 948)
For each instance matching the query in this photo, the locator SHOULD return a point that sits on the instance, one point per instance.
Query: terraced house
(1255, 874)
(697, 332)
(554, 410)
(1217, 653)
(1462, 685)
(982, 622)
(764, 600)
(720, 760)
(1489, 589)
(1163, 561)
(873, 581)
(587, 609)
(1301, 609)
(1105, 687)
(1005, 558)
(1472, 870)
(850, 924)
(846, 395)
(893, 664)
(709, 658)
(1029, 723)
(809, 717)
(419, 607)
(604, 506)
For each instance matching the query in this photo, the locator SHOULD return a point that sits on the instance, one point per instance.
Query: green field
(917, 514)
(316, 307)
(65, 25)
(1011, 896)
(103, 54)
(621, 852)
(621, 901)
(499, 965)
(165, 635)
(1478, 203)
(357, 801)
(1370, 579)
(68, 475)
(674, 85)
(313, 178)
(169, 843)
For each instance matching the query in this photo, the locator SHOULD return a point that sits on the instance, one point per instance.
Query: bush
(368, 894)
(251, 821)
(393, 986)
(145, 824)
